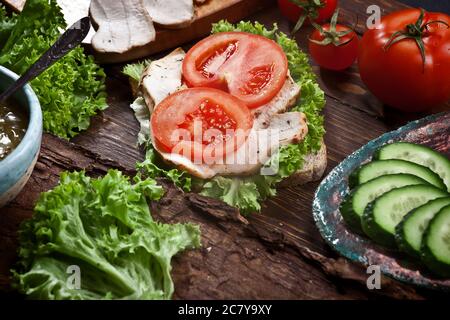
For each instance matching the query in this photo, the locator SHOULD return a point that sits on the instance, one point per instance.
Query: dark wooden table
(279, 253)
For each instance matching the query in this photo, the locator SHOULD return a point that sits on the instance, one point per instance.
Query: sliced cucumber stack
(382, 216)
(409, 232)
(418, 154)
(402, 200)
(352, 209)
(379, 168)
(436, 243)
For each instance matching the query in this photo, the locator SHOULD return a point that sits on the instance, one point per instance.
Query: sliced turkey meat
(261, 144)
(74, 11)
(162, 78)
(136, 27)
(171, 13)
(283, 129)
(282, 102)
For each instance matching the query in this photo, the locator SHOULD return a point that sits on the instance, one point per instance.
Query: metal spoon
(70, 39)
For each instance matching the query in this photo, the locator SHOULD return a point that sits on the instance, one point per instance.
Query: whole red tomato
(334, 56)
(292, 11)
(395, 68)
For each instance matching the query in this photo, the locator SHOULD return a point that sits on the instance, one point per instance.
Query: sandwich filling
(164, 77)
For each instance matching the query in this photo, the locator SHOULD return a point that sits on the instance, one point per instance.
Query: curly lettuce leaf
(242, 194)
(7, 23)
(104, 227)
(135, 70)
(73, 89)
(152, 167)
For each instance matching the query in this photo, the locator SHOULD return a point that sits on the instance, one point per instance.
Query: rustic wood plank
(113, 133)
(238, 260)
(16, 5)
(226, 247)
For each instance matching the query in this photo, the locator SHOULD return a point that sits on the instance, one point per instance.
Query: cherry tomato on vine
(405, 61)
(299, 11)
(333, 46)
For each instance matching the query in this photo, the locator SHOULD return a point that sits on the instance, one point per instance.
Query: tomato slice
(250, 67)
(201, 124)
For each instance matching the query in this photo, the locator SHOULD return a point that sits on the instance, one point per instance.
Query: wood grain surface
(16, 5)
(277, 254)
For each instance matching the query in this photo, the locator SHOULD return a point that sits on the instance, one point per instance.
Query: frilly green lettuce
(73, 89)
(135, 70)
(104, 227)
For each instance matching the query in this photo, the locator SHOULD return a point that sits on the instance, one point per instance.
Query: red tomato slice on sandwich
(199, 123)
(250, 67)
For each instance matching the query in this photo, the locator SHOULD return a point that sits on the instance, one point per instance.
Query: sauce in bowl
(13, 125)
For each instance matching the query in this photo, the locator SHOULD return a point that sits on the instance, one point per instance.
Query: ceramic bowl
(16, 168)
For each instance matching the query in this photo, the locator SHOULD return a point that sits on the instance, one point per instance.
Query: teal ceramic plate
(433, 131)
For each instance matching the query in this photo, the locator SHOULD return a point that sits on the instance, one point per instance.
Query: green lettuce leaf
(152, 167)
(73, 89)
(135, 70)
(238, 192)
(7, 23)
(103, 227)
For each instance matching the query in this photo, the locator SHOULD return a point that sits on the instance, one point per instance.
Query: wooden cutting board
(16, 5)
(206, 14)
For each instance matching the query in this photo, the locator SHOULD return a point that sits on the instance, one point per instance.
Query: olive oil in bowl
(13, 125)
(19, 150)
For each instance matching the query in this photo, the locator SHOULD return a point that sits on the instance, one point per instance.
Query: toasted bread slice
(314, 167)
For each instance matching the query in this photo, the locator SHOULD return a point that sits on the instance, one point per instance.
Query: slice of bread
(313, 169)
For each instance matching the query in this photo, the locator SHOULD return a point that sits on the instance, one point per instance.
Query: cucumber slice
(419, 154)
(379, 168)
(409, 232)
(436, 243)
(352, 208)
(382, 215)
